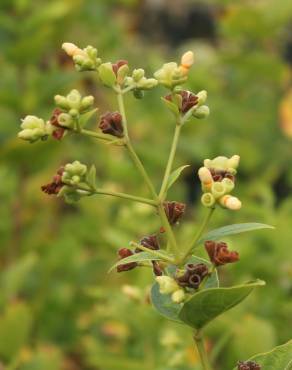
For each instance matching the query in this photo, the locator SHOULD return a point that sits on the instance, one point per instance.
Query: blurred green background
(59, 308)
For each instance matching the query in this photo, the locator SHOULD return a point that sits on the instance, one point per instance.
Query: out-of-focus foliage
(59, 309)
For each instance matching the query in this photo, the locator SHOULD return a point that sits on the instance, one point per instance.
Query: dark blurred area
(59, 308)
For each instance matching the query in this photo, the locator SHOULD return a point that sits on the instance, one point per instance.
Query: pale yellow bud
(71, 49)
(187, 60)
(205, 177)
(230, 202)
(233, 162)
(178, 296)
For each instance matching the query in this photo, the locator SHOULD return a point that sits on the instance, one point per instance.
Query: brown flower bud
(150, 242)
(119, 63)
(248, 365)
(219, 254)
(174, 211)
(188, 100)
(219, 175)
(124, 253)
(58, 133)
(157, 269)
(111, 123)
(193, 275)
(55, 186)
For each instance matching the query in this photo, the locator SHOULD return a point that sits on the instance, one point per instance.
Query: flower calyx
(219, 254)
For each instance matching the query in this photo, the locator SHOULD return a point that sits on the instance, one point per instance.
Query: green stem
(123, 112)
(116, 194)
(154, 252)
(96, 135)
(198, 234)
(202, 352)
(168, 169)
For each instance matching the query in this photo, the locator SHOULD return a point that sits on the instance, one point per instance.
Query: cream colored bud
(205, 178)
(230, 202)
(218, 189)
(228, 183)
(233, 162)
(178, 296)
(72, 49)
(208, 200)
(187, 60)
(167, 285)
(202, 97)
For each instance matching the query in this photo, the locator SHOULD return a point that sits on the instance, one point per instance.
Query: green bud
(87, 102)
(147, 83)
(228, 184)
(138, 74)
(107, 75)
(122, 73)
(170, 75)
(218, 189)
(138, 94)
(208, 200)
(74, 113)
(167, 285)
(202, 97)
(201, 112)
(74, 173)
(65, 120)
(62, 102)
(74, 99)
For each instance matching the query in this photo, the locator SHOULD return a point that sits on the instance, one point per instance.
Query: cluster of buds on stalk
(73, 181)
(248, 365)
(84, 59)
(168, 285)
(217, 180)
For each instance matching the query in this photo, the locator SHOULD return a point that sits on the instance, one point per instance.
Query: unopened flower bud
(74, 99)
(206, 178)
(230, 202)
(218, 189)
(178, 296)
(174, 211)
(71, 49)
(138, 74)
(228, 184)
(86, 103)
(107, 74)
(62, 102)
(202, 97)
(167, 284)
(187, 60)
(233, 162)
(124, 253)
(208, 200)
(202, 112)
(33, 128)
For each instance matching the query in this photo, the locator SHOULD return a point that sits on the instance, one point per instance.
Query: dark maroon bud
(248, 365)
(58, 133)
(124, 253)
(112, 123)
(219, 254)
(219, 175)
(174, 211)
(56, 185)
(189, 100)
(183, 280)
(116, 66)
(195, 281)
(150, 242)
(157, 269)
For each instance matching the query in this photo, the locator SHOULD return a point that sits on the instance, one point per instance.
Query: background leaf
(175, 175)
(206, 305)
(280, 358)
(221, 232)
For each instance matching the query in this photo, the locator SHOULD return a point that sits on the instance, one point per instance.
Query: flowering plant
(185, 288)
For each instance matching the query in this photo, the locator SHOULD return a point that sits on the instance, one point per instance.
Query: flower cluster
(168, 285)
(174, 211)
(70, 181)
(111, 123)
(217, 180)
(219, 254)
(34, 128)
(248, 365)
(84, 59)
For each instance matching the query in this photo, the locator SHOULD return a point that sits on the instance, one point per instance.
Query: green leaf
(280, 358)
(231, 230)
(164, 305)
(206, 305)
(175, 175)
(84, 118)
(171, 106)
(91, 177)
(107, 74)
(137, 257)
